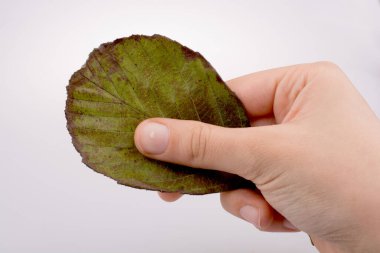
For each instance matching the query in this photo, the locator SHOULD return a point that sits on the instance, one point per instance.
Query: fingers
(272, 92)
(257, 90)
(252, 207)
(199, 145)
(249, 206)
(169, 196)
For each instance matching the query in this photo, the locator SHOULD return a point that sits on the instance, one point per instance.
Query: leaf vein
(125, 77)
(132, 107)
(107, 75)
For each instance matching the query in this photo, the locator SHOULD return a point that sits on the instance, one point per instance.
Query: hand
(313, 152)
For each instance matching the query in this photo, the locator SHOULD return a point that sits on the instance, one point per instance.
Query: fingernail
(251, 214)
(289, 225)
(154, 138)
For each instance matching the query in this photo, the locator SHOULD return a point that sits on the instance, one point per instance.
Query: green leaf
(140, 77)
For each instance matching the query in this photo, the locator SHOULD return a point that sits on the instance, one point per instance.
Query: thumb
(242, 151)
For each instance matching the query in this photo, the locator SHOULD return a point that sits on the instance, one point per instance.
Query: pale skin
(313, 151)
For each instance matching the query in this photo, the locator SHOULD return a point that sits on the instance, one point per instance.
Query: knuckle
(328, 74)
(326, 65)
(199, 142)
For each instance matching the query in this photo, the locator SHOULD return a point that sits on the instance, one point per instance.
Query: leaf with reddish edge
(140, 77)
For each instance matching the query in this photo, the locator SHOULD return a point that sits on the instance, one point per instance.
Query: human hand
(313, 153)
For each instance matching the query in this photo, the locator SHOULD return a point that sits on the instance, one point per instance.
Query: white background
(51, 202)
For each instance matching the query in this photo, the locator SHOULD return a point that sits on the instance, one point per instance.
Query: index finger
(259, 91)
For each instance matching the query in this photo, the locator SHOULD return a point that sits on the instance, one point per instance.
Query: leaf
(140, 77)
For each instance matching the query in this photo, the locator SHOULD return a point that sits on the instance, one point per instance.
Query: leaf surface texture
(140, 77)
